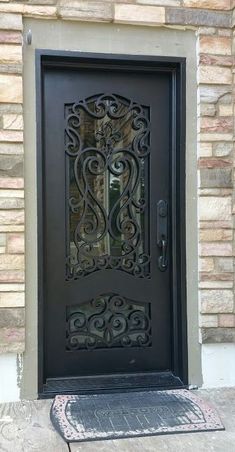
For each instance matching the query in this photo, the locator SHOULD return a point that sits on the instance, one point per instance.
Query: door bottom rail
(111, 383)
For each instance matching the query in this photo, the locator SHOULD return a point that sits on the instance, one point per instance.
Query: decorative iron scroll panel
(107, 142)
(108, 321)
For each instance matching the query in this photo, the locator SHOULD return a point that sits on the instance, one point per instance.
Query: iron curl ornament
(108, 321)
(107, 145)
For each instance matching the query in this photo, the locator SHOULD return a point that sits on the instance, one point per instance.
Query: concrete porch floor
(25, 427)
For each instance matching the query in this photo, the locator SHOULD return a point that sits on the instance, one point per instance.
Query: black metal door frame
(177, 68)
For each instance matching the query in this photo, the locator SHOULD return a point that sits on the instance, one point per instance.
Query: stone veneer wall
(212, 21)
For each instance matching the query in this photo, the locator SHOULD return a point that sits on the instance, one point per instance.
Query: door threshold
(111, 383)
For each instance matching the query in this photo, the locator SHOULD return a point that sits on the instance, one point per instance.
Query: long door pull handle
(162, 233)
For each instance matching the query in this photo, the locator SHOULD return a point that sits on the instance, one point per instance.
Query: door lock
(162, 233)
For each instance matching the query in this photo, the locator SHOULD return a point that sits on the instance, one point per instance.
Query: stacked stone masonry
(213, 22)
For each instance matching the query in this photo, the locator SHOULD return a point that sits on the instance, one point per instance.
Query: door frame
(177, 67)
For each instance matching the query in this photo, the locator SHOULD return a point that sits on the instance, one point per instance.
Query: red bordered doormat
(123, 415)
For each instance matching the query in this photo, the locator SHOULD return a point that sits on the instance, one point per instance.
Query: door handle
(162, 234)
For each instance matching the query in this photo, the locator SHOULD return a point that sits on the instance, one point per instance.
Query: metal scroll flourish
(108, 321)
(107, 150)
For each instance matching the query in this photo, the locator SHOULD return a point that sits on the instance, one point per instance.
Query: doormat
(124, 415)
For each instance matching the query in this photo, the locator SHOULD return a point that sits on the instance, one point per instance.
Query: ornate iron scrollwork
(107, 149)
(108, 321)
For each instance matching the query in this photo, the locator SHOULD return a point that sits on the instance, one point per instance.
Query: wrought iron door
(107, 140)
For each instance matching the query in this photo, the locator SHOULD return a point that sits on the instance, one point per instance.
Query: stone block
(12, 287)
(207, 110)
(11, 203)
(215, 249)
(12, 228)
(10, 88)
(38, 11)
(11, 148)
(11, 7)
(88, 11)
(3, 239)
(11, 262)
(214, 192)
(225, 110)
(222, 149)
(12, 299)
(214, 284)
(218, 45)
(216, 124)
(214, 224)
(216, 136)
(10, 37)
(11, 194)
(208, 4)
(207, 321)
(186, 16)
(39, 2)
(225, 32)
(29, 10)
(215, 208)
(214, 235)
(15, 244)
(11, 217)
(205, 149)
(207, 31)
(212, 163)
(11, 108)
(10, 54)
(224, 264)
(217, 335)
(215, 60)
(10, 21)
(12, 276)
(226, 99)
(216, 301)
(12, 122)
(227, 320)
(233, 18)
(12, 317)
(221, 177)
(205, 276)
(158, 2)
(206, 264)
(11, 69)
(11, 135)
(11, 165)
(211, 94)
(215, 75)
(139, 14)
(11, 182)
(12, 340)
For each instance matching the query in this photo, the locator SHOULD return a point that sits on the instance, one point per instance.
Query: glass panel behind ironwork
(107, 153)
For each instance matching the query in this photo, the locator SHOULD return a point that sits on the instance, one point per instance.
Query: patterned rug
(123, 415)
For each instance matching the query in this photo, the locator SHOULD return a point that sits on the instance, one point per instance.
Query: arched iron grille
(107, 142)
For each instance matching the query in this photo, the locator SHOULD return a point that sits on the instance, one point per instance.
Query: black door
(108, 220)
